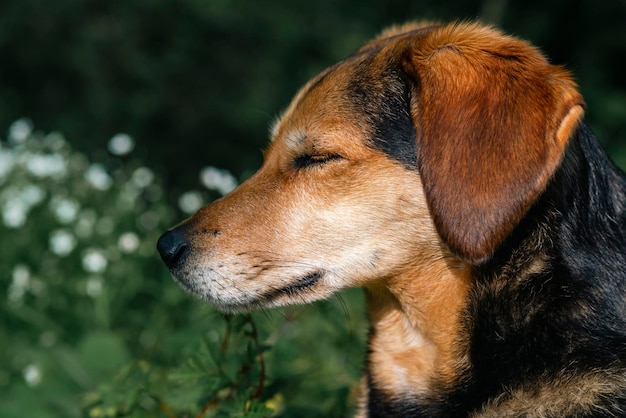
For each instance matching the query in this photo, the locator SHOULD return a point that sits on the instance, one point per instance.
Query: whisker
(344, 307)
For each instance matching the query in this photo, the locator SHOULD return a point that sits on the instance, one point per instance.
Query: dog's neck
(424, 321)
(416, 326)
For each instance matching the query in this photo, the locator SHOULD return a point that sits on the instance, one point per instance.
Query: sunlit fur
(446, 170)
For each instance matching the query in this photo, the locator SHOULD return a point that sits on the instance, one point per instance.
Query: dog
(446, 169)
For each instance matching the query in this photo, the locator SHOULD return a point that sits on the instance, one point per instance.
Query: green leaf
(102, 353)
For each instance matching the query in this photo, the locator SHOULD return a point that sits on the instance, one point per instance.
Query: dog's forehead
(363, 98)
(321, 100)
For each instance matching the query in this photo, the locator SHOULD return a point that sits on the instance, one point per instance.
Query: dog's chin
(304, 289)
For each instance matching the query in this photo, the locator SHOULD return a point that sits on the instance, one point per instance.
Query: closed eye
(308, 160)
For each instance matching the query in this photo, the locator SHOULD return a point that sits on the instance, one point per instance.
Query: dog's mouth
(297, 289)
(247, 302)
(301, 285)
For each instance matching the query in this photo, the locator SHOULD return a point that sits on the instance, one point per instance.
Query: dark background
(197, 82)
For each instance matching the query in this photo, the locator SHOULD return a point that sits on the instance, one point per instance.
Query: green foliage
(198, 81)
(92, 325)
(218, 379)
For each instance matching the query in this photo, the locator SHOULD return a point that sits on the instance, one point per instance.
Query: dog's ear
(493, 118)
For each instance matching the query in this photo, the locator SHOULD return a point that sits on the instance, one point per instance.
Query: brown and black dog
(447, 171)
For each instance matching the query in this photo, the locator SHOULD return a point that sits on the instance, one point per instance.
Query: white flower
(65, 210)
(62, 242)
(121, 144)
(46, 165)
(142, 177)
(18, 202)
(93, 287)
(32, 375)
(21, 276)
(14, 213)
(32, 195)
(55, 141)
(20, 130)
(190, 202)
(20, 283)
(97, 176)
(94, 261)
(220, 180)
(128, 242)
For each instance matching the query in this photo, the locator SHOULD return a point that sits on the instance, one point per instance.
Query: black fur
(525, 328)
(387, 112)
(394, 132)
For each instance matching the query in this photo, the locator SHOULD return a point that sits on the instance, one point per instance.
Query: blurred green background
(111, 112)
(197, 82)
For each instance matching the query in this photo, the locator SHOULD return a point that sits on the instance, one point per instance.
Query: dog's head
(429, 144)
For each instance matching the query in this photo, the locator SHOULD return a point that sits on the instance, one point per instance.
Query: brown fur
(492, 117)
(478, 85)
(567, 395)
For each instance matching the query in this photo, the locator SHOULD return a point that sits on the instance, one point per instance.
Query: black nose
(172, 246)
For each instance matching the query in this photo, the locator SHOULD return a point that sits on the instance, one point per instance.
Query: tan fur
(569, 395)
(408, 236)
(416, 323)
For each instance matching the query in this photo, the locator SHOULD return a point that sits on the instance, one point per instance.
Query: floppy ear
(493, 118)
